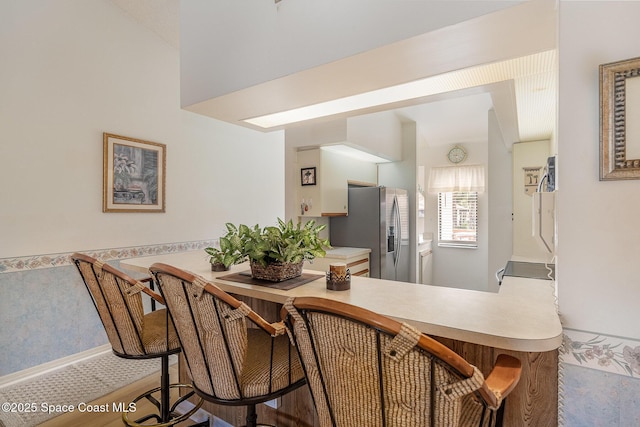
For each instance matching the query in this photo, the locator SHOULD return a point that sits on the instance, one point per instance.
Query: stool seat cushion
(154, 332)
(284, 369)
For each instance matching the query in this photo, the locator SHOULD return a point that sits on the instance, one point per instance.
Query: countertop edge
(490, 323)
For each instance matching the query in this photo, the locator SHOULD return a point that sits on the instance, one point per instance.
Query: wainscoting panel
(598, 398)
(45, 310)
(599, 380)
(46, 314)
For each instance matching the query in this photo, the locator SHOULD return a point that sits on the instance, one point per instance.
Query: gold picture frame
(619, 135)
(133, 175)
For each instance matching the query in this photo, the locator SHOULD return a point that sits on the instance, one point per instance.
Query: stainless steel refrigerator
(378, 219)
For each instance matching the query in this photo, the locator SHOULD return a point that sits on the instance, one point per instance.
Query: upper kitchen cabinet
(324, 178)
(334, 153)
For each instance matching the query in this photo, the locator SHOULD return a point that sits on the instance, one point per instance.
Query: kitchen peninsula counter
(522, 316)
(520, 320)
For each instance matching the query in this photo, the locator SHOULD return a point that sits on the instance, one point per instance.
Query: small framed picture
(308, 176)
(134, 175)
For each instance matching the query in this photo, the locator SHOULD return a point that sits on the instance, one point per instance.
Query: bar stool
(367, 369)
(136, 335)
(229, 362)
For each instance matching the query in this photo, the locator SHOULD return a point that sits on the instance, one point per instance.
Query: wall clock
(457, 154)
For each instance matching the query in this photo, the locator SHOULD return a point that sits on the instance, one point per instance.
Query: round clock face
(457, 154)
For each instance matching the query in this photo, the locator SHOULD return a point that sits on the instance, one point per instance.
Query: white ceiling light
(538, 63)
(354, 153)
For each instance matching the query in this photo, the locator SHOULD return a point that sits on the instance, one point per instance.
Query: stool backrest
(117, 299)
(213, 330)
(368, 370)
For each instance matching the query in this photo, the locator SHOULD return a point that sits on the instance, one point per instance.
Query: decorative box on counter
(338, 277)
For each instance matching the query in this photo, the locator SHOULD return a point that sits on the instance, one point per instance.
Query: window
(457, 188)
(458, 219)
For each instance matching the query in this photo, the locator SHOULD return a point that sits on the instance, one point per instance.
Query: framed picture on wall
(619, 126)
(308, 176)
(133, 175)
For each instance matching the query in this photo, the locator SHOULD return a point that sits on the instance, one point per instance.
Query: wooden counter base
(534, 401)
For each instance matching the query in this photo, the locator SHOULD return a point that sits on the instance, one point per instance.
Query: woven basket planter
(218, 266)
(277, 271)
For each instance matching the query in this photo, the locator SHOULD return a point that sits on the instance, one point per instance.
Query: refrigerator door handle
(398, 237)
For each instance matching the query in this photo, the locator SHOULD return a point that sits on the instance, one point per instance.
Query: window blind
(458, 218)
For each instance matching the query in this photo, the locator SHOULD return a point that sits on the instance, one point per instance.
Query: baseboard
(34, 371)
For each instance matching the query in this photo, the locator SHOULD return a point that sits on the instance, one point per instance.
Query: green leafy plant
(286, 243)
(231, 249)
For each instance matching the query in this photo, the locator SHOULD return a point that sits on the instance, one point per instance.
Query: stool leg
(165, 390)
(500, 414)
(252, 417)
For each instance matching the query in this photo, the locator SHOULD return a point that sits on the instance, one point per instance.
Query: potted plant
(231, 250)
(278, 253)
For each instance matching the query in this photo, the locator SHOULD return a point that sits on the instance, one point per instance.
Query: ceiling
(160, 16)
(525, 103)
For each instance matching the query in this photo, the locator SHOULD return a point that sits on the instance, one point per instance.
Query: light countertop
(344, 253)
(522, 316)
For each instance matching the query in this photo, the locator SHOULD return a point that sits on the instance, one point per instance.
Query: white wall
(377, 133)
(458, 267)
(500, 200)
(259, 41)
(72, 69)
(525, 155)
(598, 232)
(495, 215)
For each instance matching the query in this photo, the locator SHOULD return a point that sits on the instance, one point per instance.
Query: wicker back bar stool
(365, 369)
(229, 362)
(136, 335)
